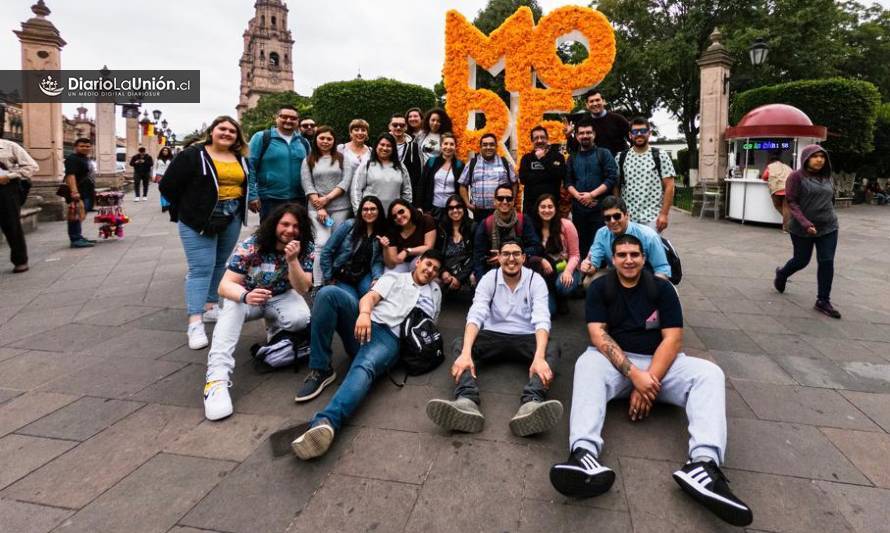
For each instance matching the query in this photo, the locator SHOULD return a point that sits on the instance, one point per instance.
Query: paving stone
(144, 343)
(20, 517)
(9, 353)
(33, 369)
(117, 316)
(876, 406)
(750, 307)
(814, 326)
(114, 378)
(707, 319)
(165, 320)
(727, 340)
(736, 406)
(757, 322)
(233, 439)
(80, 420)
(385, 399)
(541, 516)
(780, 344)
(697, 303)
(275, 396)
(787, 504)
(346, 503)
(691, 339)
(265, 492)
(871, 376)
(152, 498)
(802, 405)
(864, 508)
(868, 451)
(663, 435)
(20, 455)
(787, 449)
(182, 529)
(69, 338)
(390, 455)
(736, 365)
(844, 350)
(865, 331)
(537, 486)
(780, 307)
(481, 479)
(79, 476)
(27, 323)
(8, 394)
(29, 407)
(657, 504)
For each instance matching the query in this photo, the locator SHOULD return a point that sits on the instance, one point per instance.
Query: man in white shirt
(16, 165)
(509, 319)
(380, 314)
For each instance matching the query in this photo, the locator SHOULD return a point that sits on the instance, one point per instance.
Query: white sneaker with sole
(197, 336)
(315, 442)
(217, 402)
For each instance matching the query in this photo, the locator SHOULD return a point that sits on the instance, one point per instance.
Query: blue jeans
(75, 231)
(371, 361)
(206, 257)
(335, 309)
(558, 290)
(803, 251)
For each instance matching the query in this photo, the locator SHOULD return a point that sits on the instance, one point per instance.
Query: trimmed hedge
(846, 107)
(338, 103)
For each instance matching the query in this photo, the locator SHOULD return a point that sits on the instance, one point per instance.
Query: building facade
(266, 63)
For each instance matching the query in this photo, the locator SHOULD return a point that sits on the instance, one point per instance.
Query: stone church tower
(268, 49)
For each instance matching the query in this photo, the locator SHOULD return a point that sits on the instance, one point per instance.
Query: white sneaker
(217, 402)
(197, 336)
(137, 199)
(211, 315)
(145, 198)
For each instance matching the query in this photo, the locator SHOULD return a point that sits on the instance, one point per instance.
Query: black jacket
(424, 191)
(191, 187)
(541, 176)
(413, 164)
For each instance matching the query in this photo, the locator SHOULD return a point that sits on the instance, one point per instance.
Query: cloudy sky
(334, 39)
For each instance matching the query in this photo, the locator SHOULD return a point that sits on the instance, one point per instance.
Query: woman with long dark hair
(439, 179)
(382, 176)
(559, 238)
(351, 262)
(429, 139)
(455, 241)
(809, 191)
(411, 233)
(326, 183)
(208, 186)
(414, 118)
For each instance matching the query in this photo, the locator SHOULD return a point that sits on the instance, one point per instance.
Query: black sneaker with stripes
(581, 476)
(704, 481)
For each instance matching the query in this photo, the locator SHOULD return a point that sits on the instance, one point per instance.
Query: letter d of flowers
(525, 51)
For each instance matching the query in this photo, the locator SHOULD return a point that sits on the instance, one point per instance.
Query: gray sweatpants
(696, 384)
(286, 311)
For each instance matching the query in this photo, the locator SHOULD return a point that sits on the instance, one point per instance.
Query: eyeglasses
(397, 126)
(289, 117)
(639, 131)
(514, 255)
(310, 125)
(504, 198)
(369, 210)
(455, 207)
(614, 217)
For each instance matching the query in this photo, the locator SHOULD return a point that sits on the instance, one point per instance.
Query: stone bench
(843, 201)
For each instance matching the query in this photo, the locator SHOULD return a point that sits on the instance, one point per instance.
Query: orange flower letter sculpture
(522, 49)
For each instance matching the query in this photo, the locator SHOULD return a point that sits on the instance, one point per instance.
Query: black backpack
(421, 347)
(673, 260)
(656, 158)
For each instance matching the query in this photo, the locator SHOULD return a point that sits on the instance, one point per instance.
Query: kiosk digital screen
(767, 145)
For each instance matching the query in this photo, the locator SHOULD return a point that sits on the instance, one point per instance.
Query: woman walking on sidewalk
(208, 186)
(810, 195)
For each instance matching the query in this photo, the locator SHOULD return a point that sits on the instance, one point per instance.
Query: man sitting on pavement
(380, 315)
(509, 318)
(635, 324)
(505, 224)
(618, 223)
(268, 275)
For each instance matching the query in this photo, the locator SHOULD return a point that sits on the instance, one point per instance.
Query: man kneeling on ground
(268, 275)
(636, 326)
(380, 314)
(509, 318)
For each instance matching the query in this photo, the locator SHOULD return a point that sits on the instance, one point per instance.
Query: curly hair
(266, 235)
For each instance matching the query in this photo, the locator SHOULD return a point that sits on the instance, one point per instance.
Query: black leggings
(141, 179)
(803, 251)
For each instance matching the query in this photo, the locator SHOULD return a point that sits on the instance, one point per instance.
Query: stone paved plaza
(102, 428)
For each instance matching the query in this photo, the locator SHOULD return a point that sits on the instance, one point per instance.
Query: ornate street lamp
(164, 124)
(156, 114)
(758, 52)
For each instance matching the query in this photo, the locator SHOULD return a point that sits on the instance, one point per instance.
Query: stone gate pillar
(41, 46)
(106, 147)
(714, 64)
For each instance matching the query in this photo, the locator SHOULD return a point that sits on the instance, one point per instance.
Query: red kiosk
(775, 128)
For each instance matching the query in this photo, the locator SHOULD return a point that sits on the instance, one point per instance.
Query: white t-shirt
(400, 295)
(287, 138)
(443, 186)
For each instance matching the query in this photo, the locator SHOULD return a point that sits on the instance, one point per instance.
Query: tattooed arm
(643, 381)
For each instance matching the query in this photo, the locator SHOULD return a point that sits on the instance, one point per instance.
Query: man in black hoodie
(142, 164)
(541, 171)
(408, 151)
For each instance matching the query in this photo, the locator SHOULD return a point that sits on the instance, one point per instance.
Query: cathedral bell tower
(268, 50)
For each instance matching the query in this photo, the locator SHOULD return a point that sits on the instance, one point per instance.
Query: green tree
(263, 115)
(867, 39)
(337, 103)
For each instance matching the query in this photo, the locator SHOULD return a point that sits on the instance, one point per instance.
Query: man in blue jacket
(276, 156)
(591, 173)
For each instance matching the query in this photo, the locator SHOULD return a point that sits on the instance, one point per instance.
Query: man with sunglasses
(646, 178)
(618, 223)
(408, 151)
(505, 224)
(276, 156)
(483, 174)
(307, 129)
(509, 319)
(635, 323)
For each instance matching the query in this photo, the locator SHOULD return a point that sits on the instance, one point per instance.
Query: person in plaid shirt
(481, 178)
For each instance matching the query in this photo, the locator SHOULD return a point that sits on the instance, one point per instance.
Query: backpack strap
(614, 304)
(266, 141)
(622, 157)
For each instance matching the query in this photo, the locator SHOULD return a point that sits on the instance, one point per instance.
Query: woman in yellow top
(209, 187)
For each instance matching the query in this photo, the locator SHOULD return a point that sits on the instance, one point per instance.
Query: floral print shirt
(265, 271)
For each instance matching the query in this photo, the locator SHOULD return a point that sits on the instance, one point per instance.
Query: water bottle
(329, 222)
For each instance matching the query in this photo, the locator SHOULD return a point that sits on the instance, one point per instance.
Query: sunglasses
(504, 198)
(639, 131)
(307, 125)
(614, 217)
(398, 126)
(455, 207)
(400, 212)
